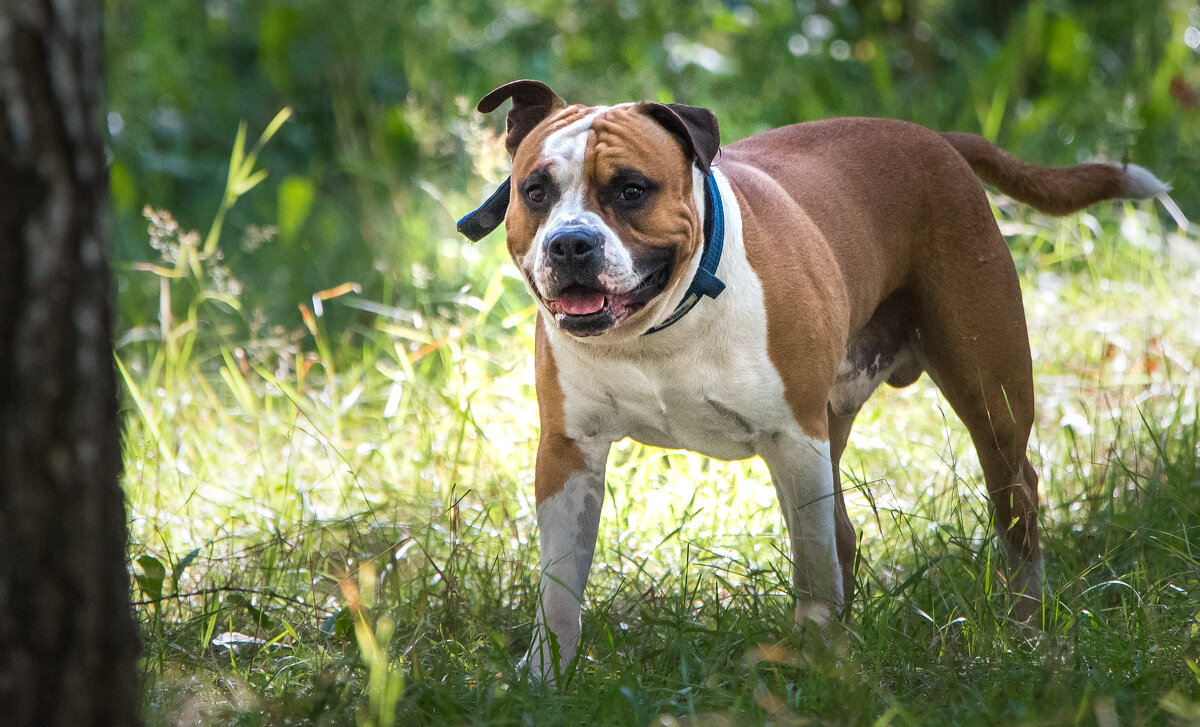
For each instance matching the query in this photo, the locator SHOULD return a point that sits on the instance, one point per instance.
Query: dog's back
(911, 189)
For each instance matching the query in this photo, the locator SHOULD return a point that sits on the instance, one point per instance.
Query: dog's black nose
(577, 249)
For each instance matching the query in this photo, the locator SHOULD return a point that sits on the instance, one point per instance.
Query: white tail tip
(1140, 183)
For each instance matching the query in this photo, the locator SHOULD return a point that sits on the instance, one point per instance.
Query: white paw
(538, 666)
(819, 613)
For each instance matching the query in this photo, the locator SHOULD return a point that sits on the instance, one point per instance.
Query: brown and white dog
(852, 251)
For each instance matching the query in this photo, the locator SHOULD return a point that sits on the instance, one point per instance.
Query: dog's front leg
(570, 492)
(803, 476)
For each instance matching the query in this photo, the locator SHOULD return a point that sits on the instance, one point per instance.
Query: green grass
(337, 527)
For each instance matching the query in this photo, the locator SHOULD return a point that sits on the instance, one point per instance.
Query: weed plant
(336, 527)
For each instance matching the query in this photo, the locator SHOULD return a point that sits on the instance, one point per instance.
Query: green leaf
(246, 184)
(181, 566)
(123, 187)
(296, 196)
(152, 577)
(284, 114)
(236, 156)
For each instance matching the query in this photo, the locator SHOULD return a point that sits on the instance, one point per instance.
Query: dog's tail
(1053, 190)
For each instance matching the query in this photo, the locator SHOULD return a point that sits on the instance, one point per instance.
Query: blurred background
(328, 393)
(385, 150)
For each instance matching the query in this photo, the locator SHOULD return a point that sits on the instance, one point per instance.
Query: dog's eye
(632, 192)
(535, 193)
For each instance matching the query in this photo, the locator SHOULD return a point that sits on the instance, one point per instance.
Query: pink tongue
(581, 304)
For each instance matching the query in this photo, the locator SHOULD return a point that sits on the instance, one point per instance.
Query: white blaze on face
(565, 151)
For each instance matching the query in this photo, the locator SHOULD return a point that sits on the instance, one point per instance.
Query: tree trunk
(68, 646)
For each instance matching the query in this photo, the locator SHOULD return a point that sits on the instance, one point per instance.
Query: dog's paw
(537, 668)
(814, 612)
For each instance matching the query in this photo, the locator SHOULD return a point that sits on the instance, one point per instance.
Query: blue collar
(476, 225)
(706, 281)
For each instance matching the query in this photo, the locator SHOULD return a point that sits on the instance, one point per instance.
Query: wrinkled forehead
(562, 132)
(595, 139)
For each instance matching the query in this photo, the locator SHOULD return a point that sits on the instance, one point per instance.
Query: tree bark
(68, 646)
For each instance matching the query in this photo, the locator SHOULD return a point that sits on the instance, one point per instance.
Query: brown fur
(558, 455)
(921, 228)
(627, 137)
(1053, 191)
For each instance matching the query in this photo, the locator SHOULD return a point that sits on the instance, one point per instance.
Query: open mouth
(590, 310)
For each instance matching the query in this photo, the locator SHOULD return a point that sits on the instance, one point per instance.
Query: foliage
(385, 150)
(346, 538)
(330, 415)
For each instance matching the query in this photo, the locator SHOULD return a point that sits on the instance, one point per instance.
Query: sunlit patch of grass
(338, 526)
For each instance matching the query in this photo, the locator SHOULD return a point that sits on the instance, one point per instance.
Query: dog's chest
(720, 402)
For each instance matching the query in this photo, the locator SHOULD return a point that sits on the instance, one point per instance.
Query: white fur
(802, 472)
(567, 524)
(854, 386)
(1140, 183)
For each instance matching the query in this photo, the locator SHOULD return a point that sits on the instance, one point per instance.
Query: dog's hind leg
(977, 351)
(999, 426)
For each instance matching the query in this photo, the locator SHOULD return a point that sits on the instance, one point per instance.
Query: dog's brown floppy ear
(696, 128)
(532, 102)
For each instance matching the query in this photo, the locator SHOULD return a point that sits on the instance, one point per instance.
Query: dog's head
(604, 213)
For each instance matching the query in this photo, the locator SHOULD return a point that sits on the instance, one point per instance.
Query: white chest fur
(705, 384)
(720, 404)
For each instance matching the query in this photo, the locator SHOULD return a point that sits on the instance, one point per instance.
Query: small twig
(232, 589)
